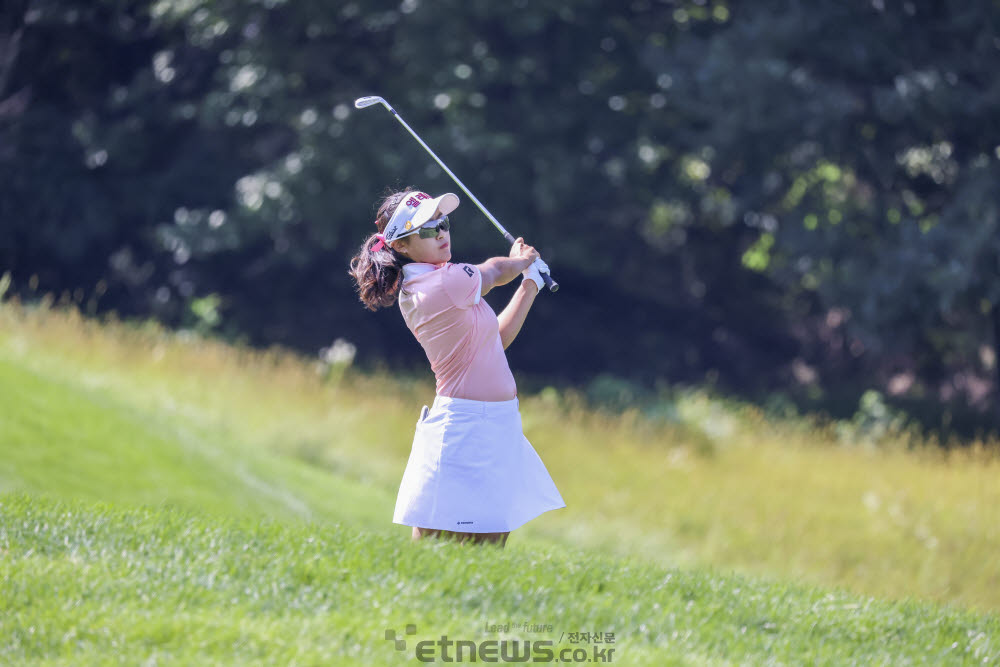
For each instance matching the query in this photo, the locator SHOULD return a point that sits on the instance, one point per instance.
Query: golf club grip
(551, 284)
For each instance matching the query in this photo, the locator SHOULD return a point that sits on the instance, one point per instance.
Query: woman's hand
(501, 270)
(521, 251)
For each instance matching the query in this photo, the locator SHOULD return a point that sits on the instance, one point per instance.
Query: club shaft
(496, 223)
(363, 102)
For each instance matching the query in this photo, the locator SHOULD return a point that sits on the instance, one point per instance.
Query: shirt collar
(413, 269)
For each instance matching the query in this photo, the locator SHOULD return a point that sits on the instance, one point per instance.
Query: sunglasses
(428, 232)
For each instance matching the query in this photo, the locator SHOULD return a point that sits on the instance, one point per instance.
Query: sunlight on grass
(717, 484)
(96, 583)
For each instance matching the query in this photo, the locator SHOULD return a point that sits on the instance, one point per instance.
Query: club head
(363, 102)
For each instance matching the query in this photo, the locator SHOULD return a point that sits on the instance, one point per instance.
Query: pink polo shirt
(459, 331)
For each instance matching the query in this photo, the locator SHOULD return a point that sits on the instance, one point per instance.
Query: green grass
(185, 477)
(78, 440)
(91, 583)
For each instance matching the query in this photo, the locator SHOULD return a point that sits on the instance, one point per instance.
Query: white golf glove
(535, 271)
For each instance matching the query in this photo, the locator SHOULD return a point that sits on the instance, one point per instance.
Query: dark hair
(379, 273)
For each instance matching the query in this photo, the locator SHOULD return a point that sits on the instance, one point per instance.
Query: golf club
(363, 102)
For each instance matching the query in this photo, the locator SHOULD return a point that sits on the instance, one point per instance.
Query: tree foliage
(767, 193)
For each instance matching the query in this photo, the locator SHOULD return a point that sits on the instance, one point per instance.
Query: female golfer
(471, 475)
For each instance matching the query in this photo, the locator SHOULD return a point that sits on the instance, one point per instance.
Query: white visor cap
(415, 210)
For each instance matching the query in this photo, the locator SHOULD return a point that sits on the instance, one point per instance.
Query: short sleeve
(463, 284)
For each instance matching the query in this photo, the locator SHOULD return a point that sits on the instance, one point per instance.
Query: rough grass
(238, 458)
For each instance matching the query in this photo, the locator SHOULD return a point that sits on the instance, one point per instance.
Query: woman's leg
(420, 533)
(475, 538)
(494, 538)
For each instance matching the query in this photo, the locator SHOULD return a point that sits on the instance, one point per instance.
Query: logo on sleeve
(468, 269)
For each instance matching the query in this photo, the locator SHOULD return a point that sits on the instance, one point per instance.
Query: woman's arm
(513, 315)
(498, 271)
(502, 270)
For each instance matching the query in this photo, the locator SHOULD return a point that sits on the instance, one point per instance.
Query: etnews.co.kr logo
(411, 629)
(494, 650)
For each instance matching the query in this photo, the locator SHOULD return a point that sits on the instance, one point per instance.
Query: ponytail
(379, 273)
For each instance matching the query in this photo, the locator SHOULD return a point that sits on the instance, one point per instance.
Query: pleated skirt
(472, 470)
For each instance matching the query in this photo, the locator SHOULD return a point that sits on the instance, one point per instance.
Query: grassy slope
(82, 583)
(113, 413)
(80, 441)
(721, 485)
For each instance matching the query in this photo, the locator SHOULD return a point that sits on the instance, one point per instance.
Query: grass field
(166, 498)
(89, 583)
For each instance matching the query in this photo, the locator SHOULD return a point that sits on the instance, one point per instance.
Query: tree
(755, 193)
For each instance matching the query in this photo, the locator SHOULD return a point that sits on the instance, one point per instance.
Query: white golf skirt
(471, 470)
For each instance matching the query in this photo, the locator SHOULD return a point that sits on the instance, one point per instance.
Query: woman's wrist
(508, 268)
(519, 263)
(515, 266)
